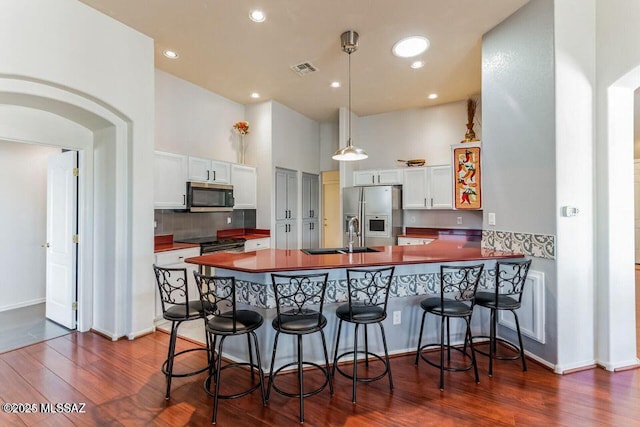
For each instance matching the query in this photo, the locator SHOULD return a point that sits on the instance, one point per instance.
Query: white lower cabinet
(257, 244)
(175, 259)
(408, 241)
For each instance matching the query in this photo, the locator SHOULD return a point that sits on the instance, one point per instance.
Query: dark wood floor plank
(122, 385)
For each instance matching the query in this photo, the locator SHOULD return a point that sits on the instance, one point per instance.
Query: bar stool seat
(304, 323)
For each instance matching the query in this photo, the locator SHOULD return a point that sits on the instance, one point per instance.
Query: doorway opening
(24, 248)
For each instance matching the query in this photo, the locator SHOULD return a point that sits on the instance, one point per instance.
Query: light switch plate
(491, 218)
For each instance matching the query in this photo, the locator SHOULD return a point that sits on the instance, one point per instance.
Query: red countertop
(165, 243)
(272, 260)
(246, 233)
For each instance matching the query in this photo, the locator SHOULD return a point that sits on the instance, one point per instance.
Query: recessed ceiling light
(257, 15)
(410, 46)
(432, 96)
(417, 64)
(255, 95)
(171, 54)
(335, 84)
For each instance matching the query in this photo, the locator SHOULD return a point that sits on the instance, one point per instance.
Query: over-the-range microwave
(205, 197)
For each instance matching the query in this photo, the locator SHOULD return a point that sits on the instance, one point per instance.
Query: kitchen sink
(330, 251)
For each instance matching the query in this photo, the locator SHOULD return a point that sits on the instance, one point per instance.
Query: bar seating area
(300, 300)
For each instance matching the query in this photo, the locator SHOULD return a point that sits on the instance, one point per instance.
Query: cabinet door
(310, 196)
(414, 189)
(441, 187)
(286, 235)
(282, 212)
(364, 178)
(243, 179)
(199, 169)
(170, 181)
(310, 235)
(292, 194)
(389, 177)
(220, 172)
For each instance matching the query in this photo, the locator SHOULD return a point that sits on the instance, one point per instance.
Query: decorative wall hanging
(468, 191)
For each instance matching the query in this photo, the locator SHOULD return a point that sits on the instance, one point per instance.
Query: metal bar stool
(368, 292)
(458, 285)
(177, 308)
(218, 292)
(506, 295)
(294, 294)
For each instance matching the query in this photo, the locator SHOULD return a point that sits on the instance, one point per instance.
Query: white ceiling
(223, 51)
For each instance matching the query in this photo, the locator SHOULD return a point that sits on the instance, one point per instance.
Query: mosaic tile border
(535, 245)
(260, 295)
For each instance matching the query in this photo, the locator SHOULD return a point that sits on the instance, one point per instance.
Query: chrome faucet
(353, 229)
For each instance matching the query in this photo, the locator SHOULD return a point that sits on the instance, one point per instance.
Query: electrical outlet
(491, 218)
(397, 317)
(155, 224)
(228, 220)
(459, 220)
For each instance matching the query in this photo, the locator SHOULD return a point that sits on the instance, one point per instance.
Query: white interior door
(61, 249)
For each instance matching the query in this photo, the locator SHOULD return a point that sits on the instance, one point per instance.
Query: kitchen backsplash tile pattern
(184, 225)
(535, 245)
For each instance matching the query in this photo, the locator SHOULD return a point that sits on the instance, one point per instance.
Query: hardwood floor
(121, 384)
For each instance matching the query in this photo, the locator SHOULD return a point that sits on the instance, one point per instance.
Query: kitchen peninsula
(415, 275)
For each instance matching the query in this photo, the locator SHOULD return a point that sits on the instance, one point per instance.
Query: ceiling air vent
(304, 68)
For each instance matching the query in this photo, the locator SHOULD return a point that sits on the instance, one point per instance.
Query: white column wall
(99, 68)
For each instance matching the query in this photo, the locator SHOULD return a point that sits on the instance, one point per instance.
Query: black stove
(209, 244)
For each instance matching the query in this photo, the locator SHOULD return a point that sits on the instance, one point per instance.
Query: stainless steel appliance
(210, 244)
(379, 211)
(204, 197)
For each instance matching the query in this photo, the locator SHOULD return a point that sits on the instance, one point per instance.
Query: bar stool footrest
(363, 379)
(447, 368)
(307, 394)
(207, 381)
(506, 343)
(184, 374)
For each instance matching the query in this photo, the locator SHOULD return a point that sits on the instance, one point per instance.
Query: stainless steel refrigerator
(379, 211)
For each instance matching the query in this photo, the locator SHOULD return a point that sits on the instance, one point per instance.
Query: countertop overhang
(274, 260)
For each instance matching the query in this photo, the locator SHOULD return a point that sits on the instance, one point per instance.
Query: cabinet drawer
(175, 257)
(257, 244)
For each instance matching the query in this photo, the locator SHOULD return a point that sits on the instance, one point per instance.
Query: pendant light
(349, 42)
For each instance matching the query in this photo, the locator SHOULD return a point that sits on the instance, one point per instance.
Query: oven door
(377, 226)
(204, 197)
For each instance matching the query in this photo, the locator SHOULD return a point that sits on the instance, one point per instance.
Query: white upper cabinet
(428, 188)
(170, 181)
(378, 177)
(207, 170)
(244, 181)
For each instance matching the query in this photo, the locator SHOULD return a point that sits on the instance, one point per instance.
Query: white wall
(420, 133)
(259, 153)
(518, 103)
(328, 145)
(23, 188)
(194, 121)
(618, 75)
(69, 59)
(574, 35)
(296, 140)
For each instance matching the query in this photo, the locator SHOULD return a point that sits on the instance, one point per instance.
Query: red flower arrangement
(241, 127)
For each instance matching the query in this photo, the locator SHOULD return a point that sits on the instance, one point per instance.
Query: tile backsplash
(185, 225)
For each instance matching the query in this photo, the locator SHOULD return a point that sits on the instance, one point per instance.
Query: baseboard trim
(141, 333)
(22, 304)
(105, 334)
(620, 366)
